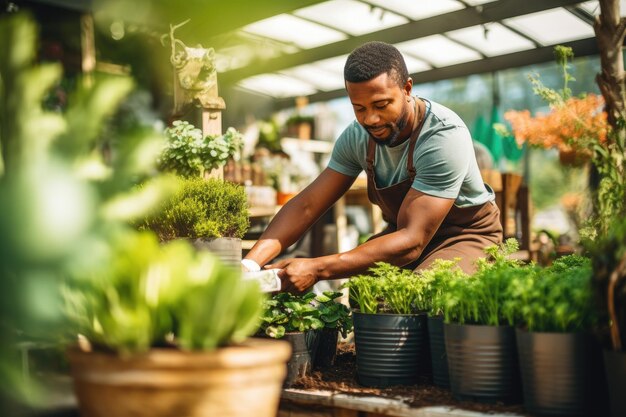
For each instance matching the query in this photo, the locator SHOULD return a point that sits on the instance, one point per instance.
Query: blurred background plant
(61, 201)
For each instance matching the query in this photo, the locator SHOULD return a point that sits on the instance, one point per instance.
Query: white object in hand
(268, 279)
(250, 265)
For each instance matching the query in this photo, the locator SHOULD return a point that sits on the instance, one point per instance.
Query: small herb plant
(286, 312)
(554, 299)
(202, 209)
(482, 297)
(145, 294)
(334, 314)
(438, 278)
(189, 153)
(389, 289)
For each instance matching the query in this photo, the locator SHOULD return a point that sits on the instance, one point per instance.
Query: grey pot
(438, 355)
(391, 349)
(482, 361)
(227, 249)
(304, 348)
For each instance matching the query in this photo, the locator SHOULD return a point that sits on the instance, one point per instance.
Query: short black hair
(372, 59)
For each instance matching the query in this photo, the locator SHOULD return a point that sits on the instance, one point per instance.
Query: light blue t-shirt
(444, 159)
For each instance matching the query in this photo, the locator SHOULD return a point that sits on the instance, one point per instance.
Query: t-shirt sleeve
(442, 161)
(345, 156)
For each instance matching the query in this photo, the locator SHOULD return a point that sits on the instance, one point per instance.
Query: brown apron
(464, 232)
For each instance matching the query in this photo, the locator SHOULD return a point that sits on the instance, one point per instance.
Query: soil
(341, 378)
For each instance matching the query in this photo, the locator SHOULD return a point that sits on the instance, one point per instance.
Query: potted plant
(389, 326)
(553, 311)
(337, 319)
(213, 214)
(164, 332)
(189, 153)
(438, 276)
(480, 343)
(300, 126)
(295, 319)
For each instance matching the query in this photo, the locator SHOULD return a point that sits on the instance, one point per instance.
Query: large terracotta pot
(238, 381)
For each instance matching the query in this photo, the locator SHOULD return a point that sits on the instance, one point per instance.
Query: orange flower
(573, 125)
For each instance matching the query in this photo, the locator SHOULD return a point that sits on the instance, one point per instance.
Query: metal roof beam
(485, 13)
(584, 47)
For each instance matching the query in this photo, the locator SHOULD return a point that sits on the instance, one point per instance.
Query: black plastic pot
(326, 348)
(482, 361)
(391, 349)
(554, 372)
(304, 348)
(439, 358)
(615, 367)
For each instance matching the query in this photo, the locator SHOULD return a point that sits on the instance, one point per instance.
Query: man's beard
(393, 138)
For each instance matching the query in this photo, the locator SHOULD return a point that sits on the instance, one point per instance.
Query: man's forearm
(397, 248)
(284, 230)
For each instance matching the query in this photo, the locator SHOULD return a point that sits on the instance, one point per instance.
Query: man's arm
(299, 214)
(419, 218)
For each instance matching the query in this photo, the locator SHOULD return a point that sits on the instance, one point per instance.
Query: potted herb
(553, 310)
(166, 328)
(389, 325)
(438, 277)
(480, 342)
(337, 319)
(300, 126)
(295, 319)
(189, 153)
(213, 214)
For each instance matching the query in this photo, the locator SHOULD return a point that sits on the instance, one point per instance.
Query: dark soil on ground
(341, 378)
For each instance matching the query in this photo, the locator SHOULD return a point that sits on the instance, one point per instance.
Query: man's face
(383, 108)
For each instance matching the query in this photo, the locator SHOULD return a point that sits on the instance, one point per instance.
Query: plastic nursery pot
(391, 349)
(482, 361)
(304, 349)
(439, 358)
(326, 348)
(236, 381)
(554, 369)
(615, 367)
(227, 249)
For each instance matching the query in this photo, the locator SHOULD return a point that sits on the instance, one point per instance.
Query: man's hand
(297, 274)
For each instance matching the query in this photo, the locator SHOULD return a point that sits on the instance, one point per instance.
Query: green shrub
(202, 209)
(148, 294)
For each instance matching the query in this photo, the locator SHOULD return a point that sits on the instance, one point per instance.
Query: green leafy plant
(389, 289)
(482, 297)
(189, 153)
(202, 209)
(437, 279)
(554, 299)
(145, 294)
(334, 314)
(286, 312)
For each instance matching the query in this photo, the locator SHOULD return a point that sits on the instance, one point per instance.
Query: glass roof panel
(292, 29)
(438, 50)
(492, 39)
(552, 26)
(334, 65)
(415, 65)
(322, 79)
(422, 9)
(277, 85)
(351, 16)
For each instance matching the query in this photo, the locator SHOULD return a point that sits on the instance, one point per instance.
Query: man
(421, 171)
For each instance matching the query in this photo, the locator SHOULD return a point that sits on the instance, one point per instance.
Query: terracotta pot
(282, 198)
(236, 381)
(572, 158)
